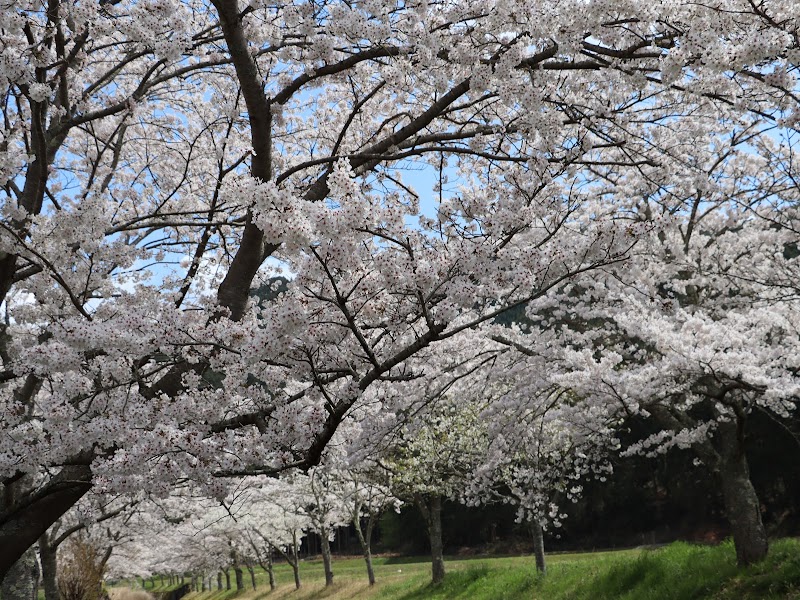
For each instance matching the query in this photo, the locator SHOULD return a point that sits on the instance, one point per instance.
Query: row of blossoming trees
(206, 540)
(625, 171)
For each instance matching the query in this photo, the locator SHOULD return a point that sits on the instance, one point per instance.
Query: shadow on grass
(405, 560)
(685, 571)
(679, 571)
(455, 584)
(477, 582)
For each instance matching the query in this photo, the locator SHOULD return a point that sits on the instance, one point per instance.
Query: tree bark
(432, 513)
(239, 578)
(270, 569)
(366, 542)
(36, 575)
(725, 453)
(326, 557)
(234, 290)
(48, 555)
(742, 506)
(296, 561)
(20, 582)
(538, 546)
(252, 572)
(29, 515)
(435, 534)
(219, 580)
(368, 560)
(296, 573)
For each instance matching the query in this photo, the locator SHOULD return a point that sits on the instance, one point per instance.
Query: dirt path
(129, 594)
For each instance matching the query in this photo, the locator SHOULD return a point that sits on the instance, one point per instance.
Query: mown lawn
(679, 571)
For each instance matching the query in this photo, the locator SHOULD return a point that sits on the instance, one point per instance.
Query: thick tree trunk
(239, 578)
(742, 506)
(227, 578)
(26, 517)
(21, 581)
(47, 556)
(538, 546)
(219, 580)
(726, 452)
(326, 558)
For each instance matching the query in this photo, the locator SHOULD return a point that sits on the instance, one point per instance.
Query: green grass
(679, 571)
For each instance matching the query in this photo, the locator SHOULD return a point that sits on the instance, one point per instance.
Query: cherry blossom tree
(364, 495)
(537, 455)
(325, 508)
(161, 538)
(699, 330)
(162, 159)
(417, 439)
(185, 533)
(431, 460)
(275, 516)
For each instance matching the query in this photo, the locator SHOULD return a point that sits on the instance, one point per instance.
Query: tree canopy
(412, 170)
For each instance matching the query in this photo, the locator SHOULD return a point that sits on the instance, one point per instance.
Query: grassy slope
(677, 572)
